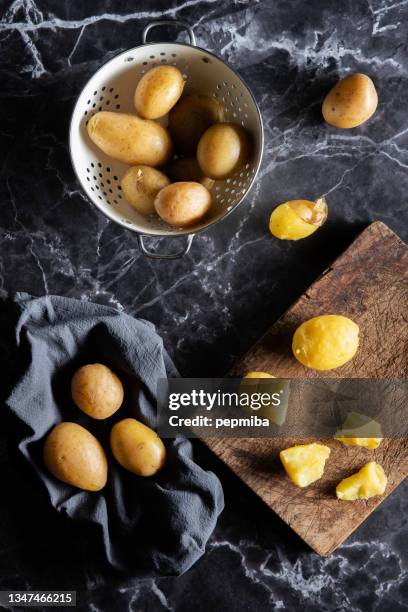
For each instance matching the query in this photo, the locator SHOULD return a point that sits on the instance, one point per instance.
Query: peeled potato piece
(140, 185)
(297, 219)
(367, 482)
(305, 463)
(130, 139)
(183, 204)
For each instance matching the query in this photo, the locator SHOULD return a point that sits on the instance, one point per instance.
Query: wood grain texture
(368, 283)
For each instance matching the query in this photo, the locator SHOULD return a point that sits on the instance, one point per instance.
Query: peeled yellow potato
(223, 149)
(137, 447)
(158, 91)
(360, 430)
(188, 170)
(351, 102)
(305, 463)
(97, 391)
(325, 342)
(258, 375)
(130, 139)
(183, 204)
(190, 118)
(72, 454)
(366, 483)
(297, 219)
(140, 185)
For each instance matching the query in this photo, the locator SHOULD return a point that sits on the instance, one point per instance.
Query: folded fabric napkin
(150, 526)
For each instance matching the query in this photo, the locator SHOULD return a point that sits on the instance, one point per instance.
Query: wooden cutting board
(368, 283)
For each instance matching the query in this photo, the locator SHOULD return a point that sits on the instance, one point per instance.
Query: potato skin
(190, 118)
(130, 139)
(182, 204)
(74, 456)
(188, 170)
(158, 91)
(97, 391)
(223, 149)
(325, 342)
(351, 102)
(137, 447)
(140, 185)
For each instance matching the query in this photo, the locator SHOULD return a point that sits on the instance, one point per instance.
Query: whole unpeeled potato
(140, 185)
(97, 391)
(130, 139)
(72, 454)
(137, 447)
(187, 169)
(190, 118)
(158, 91)
(351, 102)
(223, 149)
(182, 204)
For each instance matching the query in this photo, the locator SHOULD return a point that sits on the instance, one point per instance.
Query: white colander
(112, 88)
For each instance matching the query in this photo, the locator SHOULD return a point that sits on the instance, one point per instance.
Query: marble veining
(214, 303)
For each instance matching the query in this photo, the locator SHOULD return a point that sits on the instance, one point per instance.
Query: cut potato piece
(367, 482)
(305, 463)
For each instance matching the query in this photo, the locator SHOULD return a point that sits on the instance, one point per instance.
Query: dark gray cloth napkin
(157, 525)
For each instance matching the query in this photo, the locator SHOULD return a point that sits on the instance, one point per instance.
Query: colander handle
(177, 255)
(170, 22)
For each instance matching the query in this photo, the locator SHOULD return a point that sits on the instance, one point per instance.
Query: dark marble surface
(211, 305)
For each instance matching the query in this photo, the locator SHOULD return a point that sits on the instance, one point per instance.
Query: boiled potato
(97, 391)
(140, 185)
(297, 219)
(223, 149)
(72, 454)
(325, 342)
(305, 463)
(190, 118)
(183, 204)
(158, 91)
(187, 169)
(351, 102)
(367, 482)
(258, 375)
(360, 430)
(137, 447)
(129, 139)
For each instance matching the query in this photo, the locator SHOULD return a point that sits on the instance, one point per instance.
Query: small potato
(72, 454)
(97, 391)
(140, 185)
(351, 102)
(258, 375)
(158, 91)
(325, 342)
(187, 169)
(183, 204)
(190, 118)
(297, 219)
(129, 139)
(137, 447)
(223, 149)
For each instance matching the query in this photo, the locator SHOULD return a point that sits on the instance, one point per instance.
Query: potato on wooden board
(137, 447)
(183, 204)
(140, 185)
(73, 455)
(130, 139)
(186, 169)
(351, 102)
(158, 91)
(223, 149)
(190, 118)
(97, 391)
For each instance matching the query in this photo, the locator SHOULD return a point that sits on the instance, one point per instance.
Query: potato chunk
(360, 430)
(366, 483)
(305, 463)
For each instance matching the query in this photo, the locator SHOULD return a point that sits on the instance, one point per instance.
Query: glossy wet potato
(74, 456)
(351, 102)
(140, 185)
(97, 391)
(297, 219)
(137, 447)
(130, 139)
(158, 91)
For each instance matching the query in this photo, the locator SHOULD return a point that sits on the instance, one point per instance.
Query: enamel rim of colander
(185, 232)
